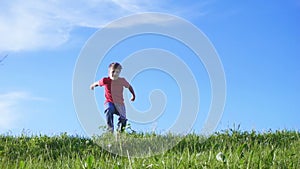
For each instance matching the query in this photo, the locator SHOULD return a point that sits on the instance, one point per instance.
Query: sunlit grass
(226, 149)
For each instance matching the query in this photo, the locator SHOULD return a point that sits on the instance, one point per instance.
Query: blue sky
(257, 42)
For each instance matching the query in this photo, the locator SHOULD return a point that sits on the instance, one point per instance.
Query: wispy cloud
(35, 25)
(26, 26)
(11, 110)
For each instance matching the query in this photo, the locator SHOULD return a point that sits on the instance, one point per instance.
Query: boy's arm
(132, 93)
(95, 84)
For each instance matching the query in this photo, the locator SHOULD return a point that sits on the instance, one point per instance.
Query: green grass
(278, 149)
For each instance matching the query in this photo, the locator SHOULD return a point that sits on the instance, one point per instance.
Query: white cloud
(31, 25)
(25, 26)
(11, 109)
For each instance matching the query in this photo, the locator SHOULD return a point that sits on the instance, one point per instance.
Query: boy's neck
(116, 78)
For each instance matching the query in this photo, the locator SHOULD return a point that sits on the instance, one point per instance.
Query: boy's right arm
(95, 84)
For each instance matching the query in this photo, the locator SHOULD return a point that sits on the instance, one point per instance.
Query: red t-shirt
(114, 89)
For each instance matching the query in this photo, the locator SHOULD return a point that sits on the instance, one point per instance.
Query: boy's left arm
(132, 93)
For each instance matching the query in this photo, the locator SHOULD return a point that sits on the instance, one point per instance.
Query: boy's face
(114, 73)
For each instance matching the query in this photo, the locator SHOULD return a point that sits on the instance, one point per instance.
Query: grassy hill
(227, 149)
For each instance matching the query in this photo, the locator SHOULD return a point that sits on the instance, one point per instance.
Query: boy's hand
(132, 98)
(93, 85)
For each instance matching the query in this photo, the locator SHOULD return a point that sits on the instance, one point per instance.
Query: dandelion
(221, 157)
(109, 145)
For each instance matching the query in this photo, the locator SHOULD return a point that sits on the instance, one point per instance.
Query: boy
(114, 101)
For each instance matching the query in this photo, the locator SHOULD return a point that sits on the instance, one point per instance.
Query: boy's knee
(110, 111)
(122, 117)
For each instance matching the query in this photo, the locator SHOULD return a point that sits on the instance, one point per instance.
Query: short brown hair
(115, 65)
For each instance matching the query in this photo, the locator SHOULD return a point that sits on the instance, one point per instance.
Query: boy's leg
(122, 124)
(109, 111)
(122, 117)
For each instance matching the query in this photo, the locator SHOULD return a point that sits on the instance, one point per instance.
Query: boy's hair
(115, 65)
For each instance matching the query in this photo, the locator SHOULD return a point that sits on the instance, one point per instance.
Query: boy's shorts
(121, 110)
